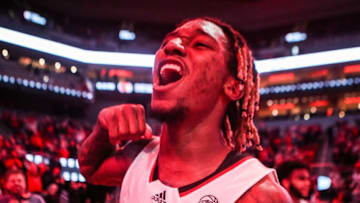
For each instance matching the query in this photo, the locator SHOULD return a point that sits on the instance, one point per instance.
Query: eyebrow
(197, 31)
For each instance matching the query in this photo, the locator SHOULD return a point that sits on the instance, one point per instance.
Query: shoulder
(36, 198)
(266, 190)
(4, 198)
(133, 149)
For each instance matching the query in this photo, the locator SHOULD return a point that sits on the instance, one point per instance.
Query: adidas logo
(160, 197)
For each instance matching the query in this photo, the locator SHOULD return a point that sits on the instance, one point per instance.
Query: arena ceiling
(247, 15)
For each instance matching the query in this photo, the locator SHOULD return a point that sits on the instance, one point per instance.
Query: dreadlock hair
(238, 123)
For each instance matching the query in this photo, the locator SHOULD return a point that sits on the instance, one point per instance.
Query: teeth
(171, 67)
(170, 73)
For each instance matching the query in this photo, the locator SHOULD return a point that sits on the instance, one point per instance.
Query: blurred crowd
(333, 152)
(51, 137)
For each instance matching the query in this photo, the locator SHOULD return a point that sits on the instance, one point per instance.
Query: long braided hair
(239, 129)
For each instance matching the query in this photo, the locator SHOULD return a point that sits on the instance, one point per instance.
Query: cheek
(209, 77)
(297, 183)
(207, 84)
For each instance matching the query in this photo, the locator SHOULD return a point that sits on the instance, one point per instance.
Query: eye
(201, 44)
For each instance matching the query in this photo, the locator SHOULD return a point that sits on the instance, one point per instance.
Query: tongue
(169, 76)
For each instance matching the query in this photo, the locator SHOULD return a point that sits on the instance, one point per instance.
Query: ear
(234, 89)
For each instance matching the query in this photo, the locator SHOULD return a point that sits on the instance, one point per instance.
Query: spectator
(33, 177)
(16, 189)
(295, 177)
(355, 184)
(52, 193)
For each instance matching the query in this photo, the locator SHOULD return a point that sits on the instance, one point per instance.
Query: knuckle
(133, 131)
(123, 111)
(121, 108)
(103, 113)
(124, 131)
(140, 107)
(141, 129)
(134, 109)
(103, 118)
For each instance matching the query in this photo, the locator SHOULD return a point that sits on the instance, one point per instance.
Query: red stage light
(329, 112)
(319, 103)
(352, 100)
(286, 106)
(352, 69)
(120, 73)
(319, 73)
(283, 77)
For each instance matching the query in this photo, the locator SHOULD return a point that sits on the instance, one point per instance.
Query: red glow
(319, 103)
(120, 73)
(352, 69)
(103, 73)
(286, 106)
(352, 100)
(25, 61)
(329, 112)
(284, 77)
(319, 73)
(115, 72)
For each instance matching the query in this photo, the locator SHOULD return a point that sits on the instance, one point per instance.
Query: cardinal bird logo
(209, 199)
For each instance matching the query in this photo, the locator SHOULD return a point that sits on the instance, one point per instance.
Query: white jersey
(224, 187)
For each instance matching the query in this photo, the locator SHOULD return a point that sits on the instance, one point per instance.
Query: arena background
(63, 61)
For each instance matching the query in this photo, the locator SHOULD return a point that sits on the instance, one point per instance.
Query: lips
(170, 72)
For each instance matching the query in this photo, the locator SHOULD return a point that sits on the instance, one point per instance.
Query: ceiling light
(293, 37)
(57, 66)
(5, 53)
(126, 35)
(34, 17)
(41, 61)
(73, 69)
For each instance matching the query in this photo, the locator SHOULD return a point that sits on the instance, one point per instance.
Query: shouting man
(205, 90)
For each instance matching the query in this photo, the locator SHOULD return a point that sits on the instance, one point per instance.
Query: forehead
(202, 27)
(300, 172)
(15, 176)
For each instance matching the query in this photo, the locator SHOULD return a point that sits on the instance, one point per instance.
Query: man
(355, 183)
(205, 90)
(295, 177)
(16, 189)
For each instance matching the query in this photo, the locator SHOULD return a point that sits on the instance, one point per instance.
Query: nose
(175, 46)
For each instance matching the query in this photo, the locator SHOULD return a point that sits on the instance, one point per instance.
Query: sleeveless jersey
(224, 187)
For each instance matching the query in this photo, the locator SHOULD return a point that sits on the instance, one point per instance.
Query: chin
(305, 194)
(164, 112)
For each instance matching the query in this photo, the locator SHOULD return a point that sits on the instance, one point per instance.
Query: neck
(191, 150)
(188, 144)
(19, 196)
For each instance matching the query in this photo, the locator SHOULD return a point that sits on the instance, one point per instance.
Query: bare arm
(266, 190)
(99, 162)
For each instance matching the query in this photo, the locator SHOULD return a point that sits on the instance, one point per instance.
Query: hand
(124, 122)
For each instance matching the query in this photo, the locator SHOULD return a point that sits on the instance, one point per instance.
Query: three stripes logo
(160, 197)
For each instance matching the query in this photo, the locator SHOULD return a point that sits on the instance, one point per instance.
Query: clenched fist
(124, 122)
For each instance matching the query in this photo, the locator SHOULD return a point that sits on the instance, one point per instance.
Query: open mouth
(170, 73)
